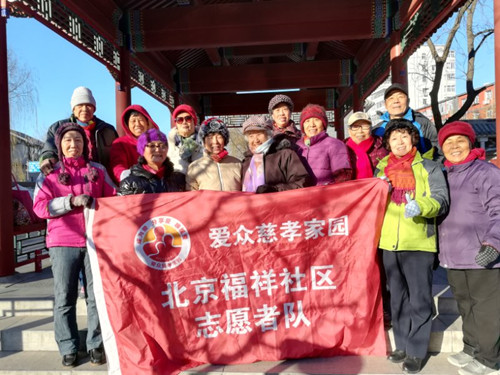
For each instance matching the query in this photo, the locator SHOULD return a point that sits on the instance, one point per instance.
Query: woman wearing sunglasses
(183, 147)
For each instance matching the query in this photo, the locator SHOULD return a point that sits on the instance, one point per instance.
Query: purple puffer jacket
(474, 215)
(324, 157)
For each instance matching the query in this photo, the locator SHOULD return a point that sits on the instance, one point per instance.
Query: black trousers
(478, 297)
(409, 276)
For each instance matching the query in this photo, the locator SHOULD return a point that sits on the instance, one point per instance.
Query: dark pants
(478, 297)
(409, 276)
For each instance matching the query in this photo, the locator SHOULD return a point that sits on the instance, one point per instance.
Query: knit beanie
(213, 125)
(64, 177)
(258, 123)
(278, 99)
(313, 110)
(149, 136)
(185, 108)
(82, 95)
(456, 128)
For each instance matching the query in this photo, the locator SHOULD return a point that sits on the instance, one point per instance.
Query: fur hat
(184, 108)
(456, 128)
(260, 123)
(149, 136)
(394, 87)
(278, 99)
(64, 176)
(313, 110)
(82, 95)
(213, 125)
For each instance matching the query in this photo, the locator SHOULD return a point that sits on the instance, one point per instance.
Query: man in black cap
(397, 105)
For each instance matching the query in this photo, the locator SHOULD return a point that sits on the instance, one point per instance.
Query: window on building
(475, 115)
(450, 76)
(487, 97)
(425, 101)
(476, 100)
(489, 113)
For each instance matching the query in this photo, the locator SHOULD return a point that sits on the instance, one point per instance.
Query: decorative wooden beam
(263, 51)
(313, 74)
(255, 23)
(245, 104)
(312, 49)
(214, 56)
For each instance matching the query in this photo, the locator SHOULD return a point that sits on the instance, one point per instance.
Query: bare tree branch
(468, 9)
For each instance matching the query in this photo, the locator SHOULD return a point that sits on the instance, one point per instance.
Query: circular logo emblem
(162, 243)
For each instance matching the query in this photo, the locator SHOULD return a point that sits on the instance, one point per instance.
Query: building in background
(24, 149)
(421, 69)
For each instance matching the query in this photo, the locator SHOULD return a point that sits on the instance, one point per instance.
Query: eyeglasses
(180, 120)
(355, 128)
(161, 146)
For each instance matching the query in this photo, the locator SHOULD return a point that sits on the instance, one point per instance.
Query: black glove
(82, 200)
(47, 166)
(262, 189)
(487, 254)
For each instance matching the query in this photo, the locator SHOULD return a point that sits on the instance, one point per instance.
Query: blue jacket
(474, 216)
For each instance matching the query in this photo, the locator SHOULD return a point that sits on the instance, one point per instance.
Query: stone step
(44, 363)
(35, 307)
(32, 333)
(444, 301)
(49, 363)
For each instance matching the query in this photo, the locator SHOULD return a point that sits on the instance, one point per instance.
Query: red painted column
(497, 74)
(398, 65)
(339, 123)
(122, 88)
(7, 264)
(356, 100)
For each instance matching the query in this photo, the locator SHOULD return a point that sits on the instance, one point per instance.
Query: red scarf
(221, 155)
(475, 153)
(363, 164)
(159, 173)
(89, 131)
(401, 176)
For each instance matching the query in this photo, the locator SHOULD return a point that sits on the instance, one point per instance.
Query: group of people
(462, 196)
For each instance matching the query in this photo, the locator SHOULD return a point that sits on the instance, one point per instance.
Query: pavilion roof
(204, 51)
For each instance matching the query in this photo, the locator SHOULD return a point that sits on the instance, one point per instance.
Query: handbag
(22, 206)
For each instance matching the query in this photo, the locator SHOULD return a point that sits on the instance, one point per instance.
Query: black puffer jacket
(283, 168)
(140, 181)
(104, 134)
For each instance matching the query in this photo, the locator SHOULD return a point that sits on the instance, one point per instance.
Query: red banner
(183, 279)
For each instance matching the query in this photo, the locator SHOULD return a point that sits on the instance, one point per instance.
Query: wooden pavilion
(202, 52)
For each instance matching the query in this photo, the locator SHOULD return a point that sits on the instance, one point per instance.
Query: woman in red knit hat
(183, 145)
(469, 246)
(326, 158)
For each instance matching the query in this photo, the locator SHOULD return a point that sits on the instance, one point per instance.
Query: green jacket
(431, 193)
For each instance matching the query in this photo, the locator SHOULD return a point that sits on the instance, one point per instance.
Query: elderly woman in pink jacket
(60, 197)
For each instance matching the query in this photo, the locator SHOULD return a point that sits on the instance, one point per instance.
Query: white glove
(411, 209)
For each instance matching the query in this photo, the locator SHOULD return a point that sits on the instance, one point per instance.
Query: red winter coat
(124, 149)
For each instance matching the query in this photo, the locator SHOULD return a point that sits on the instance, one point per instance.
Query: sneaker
(476, 368)
(96, 356)
(461, 359)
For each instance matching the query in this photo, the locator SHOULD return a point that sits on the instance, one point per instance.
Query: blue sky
(58, 67)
